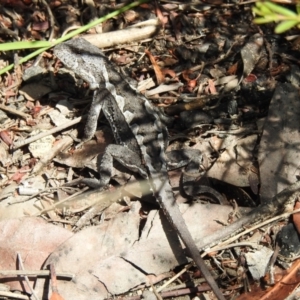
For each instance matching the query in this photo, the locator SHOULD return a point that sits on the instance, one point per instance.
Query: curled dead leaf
(158, 73)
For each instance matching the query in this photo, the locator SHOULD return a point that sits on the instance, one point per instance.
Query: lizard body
(140, 137)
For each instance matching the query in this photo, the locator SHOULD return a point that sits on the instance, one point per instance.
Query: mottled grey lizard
(139, 134)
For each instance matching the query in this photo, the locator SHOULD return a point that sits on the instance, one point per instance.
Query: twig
(10, 295)
(20, 144)
(14, 112)
(60, 202)
(227, 244)
(51, 18)
(174, 277)
(267, 210)
(37, 273)
(26, 277)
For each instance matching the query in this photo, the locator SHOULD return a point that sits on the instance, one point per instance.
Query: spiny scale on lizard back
(84, 64)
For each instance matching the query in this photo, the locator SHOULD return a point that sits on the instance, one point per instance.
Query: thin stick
(41, 273)
(26, 277)
(20, 144)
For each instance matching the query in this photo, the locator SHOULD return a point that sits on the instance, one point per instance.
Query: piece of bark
(279, 149)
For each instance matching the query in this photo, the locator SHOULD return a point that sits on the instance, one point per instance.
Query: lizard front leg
(94, 112)
(124, 156)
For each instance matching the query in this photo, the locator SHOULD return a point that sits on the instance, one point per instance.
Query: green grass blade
(280, 9)
(24, 45)
(285, 25)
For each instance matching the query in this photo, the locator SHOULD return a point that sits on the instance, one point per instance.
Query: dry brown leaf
(34, 239)
(17, 177)
(86, 156)
(112, 258)
(158, 73)
(232, 69)
(5, 136)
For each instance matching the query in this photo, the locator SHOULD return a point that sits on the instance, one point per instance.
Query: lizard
(139, 133)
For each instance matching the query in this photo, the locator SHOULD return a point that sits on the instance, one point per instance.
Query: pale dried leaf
(251, 53)
(258, 262)
(233, 165)
(42, 146)
(57, 117)
(9, 210)
(111, 258)
(34, 239)
(164, 88)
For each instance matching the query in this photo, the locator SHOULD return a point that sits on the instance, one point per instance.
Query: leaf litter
(227, 79)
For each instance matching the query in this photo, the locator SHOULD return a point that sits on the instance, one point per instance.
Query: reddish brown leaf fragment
(160, 16)
(4, 134)
(159, 75)
(233, 69)
(191, 82)
(250, 78)
(41, 26)
(185, 75)
(55, 295)
(169, 72)
(282, 68)
(35, 111)
(17, 177)
(212, 87)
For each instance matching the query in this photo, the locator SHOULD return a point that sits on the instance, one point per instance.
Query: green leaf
(262, 20)
(257, 11)
(24, 45)
(261, 9)
(298, 9)
(279, 9)
(285, 25)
